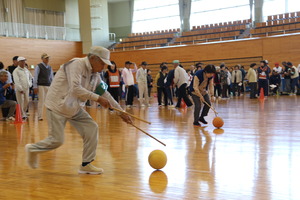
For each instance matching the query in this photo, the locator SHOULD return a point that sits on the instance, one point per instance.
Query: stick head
(101, 88)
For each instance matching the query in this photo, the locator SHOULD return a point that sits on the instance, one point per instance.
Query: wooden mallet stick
(148, 134)
(206, 103)
(121, 111)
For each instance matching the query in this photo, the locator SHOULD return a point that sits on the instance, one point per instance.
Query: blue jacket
(200, 76)
(2, 90)
(170, 78)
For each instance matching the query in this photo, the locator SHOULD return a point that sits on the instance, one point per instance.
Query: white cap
(102, 53)
(21, 58)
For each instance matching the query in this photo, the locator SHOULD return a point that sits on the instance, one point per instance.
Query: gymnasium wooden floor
(256, 158)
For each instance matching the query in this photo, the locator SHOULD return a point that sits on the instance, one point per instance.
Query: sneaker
(171, 106)
(149, 105)
(197, 124)
(201, 119)
(10, 118)
(143, 105)
(32, 157)
(41, 119)
(128, 106)
(90, 169)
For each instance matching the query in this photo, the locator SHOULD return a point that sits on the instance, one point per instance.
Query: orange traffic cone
(18, 116)
(183, 104)
(261, 94)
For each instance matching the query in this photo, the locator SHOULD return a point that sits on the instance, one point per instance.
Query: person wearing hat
(129, 82)
(141, 78)
(263, 77)
(43, 76)
(74, 84)
(181, 79)
(23, 81)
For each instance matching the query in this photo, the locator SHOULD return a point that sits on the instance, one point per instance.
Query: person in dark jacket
(160, 83)
(263, 77)
(275, 81)
(217, 83)
(149, 82)
(168, 86)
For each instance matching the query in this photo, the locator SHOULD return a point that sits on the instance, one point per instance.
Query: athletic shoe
(143, 105)
(40, 119)
(202, 120)
(32, 157)
(10, 118)
(171, 106)
(90, 169)
(149, 105)
(197, 124)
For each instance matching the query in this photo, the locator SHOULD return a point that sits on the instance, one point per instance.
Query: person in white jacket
(74, 84)
(23, 81)
(141, 79)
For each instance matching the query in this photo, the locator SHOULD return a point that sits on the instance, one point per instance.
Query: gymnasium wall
(60, 51)
(274, 49)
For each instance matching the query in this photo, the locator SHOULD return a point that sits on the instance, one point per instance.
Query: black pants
(197, 108)
(160, 91)
(183, 95)
(149, 91)
(263, 83)
(129, 95)
(225, 91)
(169, 95)
(253, 89)
(218, 90)
(236, 88)
(114, 93)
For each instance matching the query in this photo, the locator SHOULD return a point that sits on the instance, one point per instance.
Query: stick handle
(121, 111)
(148, 134)
(206, 104)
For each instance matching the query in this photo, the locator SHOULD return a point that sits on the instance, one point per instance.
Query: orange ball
(157, 159)
(218, 122)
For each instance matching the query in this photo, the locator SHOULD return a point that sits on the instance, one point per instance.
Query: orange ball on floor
(157, 159)
(218, 122)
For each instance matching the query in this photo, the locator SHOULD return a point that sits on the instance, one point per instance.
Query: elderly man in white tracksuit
(72, 86)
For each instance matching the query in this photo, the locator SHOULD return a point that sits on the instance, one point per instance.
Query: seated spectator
(9, 80)
(6, 88)
(275, 81)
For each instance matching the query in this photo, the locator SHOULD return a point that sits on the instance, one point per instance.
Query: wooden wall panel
(278, 49)
(274, 49)
(60, 51)
(214, 51)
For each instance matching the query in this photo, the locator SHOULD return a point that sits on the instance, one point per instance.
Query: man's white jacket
(22, 78)
(72, 86)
